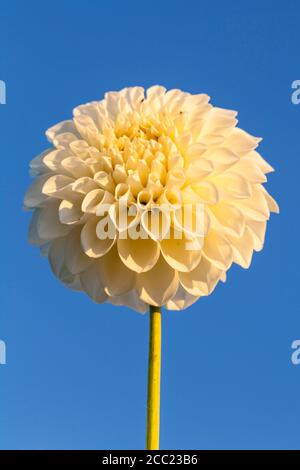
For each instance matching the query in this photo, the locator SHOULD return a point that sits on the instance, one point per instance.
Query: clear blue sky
(76, 372)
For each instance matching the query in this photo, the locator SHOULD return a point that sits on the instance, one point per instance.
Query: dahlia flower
(118, 197)
(146, 149)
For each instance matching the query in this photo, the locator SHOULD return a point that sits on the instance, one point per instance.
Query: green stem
(153, 402)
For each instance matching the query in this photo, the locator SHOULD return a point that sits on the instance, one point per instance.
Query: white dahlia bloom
(146, 150)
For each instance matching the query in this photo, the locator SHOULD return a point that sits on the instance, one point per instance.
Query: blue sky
(76, 374)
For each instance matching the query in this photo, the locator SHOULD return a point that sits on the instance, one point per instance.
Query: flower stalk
(154, 366)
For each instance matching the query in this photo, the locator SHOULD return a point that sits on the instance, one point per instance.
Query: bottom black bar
(136, 459)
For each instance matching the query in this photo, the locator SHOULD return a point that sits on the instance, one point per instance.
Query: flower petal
(229, 218)
(183, 255)
(91, 244)
(91, 283)
(34, 196)
(257, 231)
(75, 259)
(139, 255)
(131, 300)
(61, 128)
(181, 300)
(48, 223)
(242, 249)
(202, 280)
(69, 213)
(159, 285)
(116, 278)
(217, 250)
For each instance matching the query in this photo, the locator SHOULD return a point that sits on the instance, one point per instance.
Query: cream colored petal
(195, 151)
(34, 196)
(119, 174)
(69, 212)
(91, 244)
(218, 250)
(84, 185)
(181, 300)
(76, 167)
(232, 185)
(73, 282)
(45, 248)
(159, 285)
(59, 186)
(207, 191)
(131, 163)
(156, 223)
(87, 129)
(134, 95)
(57, 257)
(53, 160)
(33, 236)
(48, 223)
(61, 128)
(272, 204)
(240, 142)
(260, 162)
(212, 140)
(144, 199)
(114, 104)
(124, 217)
(242, 249)
(171, 196)
(59, 268)
(199, 169)
(193, 220)
(158, 171)
(105, 181)
(123, 193)
(94, 110)
(91, 200)
(257, 231)
(176, 101)
(97, 201)
(37, 165)
(116, 278)
(139, 255)
(196, 103)
(131, 300)
(135, 184)
(80, 148)
(255, 207)
(75, 259)
(155, 187)
(219, 121)
(143, 171)
(176, 177)
(250, 170)
(175, 161)
(202, 280)
(221, 158)
(181, 254)
(91, 283)
(229, 218)
(155, 91)
(63, 141)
